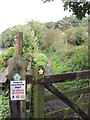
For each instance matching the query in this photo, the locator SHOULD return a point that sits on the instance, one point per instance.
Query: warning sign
(17, 90)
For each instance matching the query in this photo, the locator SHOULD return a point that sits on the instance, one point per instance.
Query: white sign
(17, 90)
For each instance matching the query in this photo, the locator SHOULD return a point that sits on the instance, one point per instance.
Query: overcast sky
(14, 12)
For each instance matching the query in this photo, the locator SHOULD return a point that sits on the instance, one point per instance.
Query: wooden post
(17, 107)
(89, 101)
(17, 65)
(89, 60)
(38, 93)
(69, 110)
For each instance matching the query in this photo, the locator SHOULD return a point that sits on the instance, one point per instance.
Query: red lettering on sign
(17, 97)
(13, 91)
(19, 91)
(22, 96)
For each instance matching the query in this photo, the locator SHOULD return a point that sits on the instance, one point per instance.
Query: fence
(34, 89)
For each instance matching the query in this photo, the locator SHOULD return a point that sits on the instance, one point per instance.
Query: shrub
(11, 52)
(81, 35)
(40, 59)
(4, 104)
(76, 36)
(79, 60)
(3, 60)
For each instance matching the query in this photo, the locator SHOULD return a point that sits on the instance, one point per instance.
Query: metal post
(20, 39)
(19, 43)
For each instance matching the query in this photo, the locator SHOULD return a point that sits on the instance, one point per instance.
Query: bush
(11, 52)
(73, 60)
(79, 60)
(40, 59)
(3, 64)
(76, 36)
(4, 104)
(4, 58)
(81, 36)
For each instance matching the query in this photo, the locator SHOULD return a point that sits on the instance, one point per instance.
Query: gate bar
(72, 105)
(63, 77)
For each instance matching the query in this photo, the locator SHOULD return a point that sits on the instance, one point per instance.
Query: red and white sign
(18, 90)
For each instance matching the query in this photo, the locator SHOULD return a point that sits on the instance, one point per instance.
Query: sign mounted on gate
(40, 70)
(18, 90)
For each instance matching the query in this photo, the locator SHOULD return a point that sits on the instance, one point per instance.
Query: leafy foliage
(75, 59)
(70, 85)
(38, 31)
(76, 36)
(4, 104)
(40, 59)
(33, 36)
(79, 7)
(7, 38)
(51, 35)
(63, 42)
(11, 52)
(66, 23)
(50, 25)
(4, 58)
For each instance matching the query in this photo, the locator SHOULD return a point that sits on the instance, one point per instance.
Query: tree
(79, 7)
(76, 36)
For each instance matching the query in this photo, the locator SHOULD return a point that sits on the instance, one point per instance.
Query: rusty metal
(21, 40)
(19, 43)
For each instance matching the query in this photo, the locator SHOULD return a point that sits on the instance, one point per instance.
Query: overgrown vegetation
(4, 104)
(75, 59)
(63, 42)
(4, 58)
